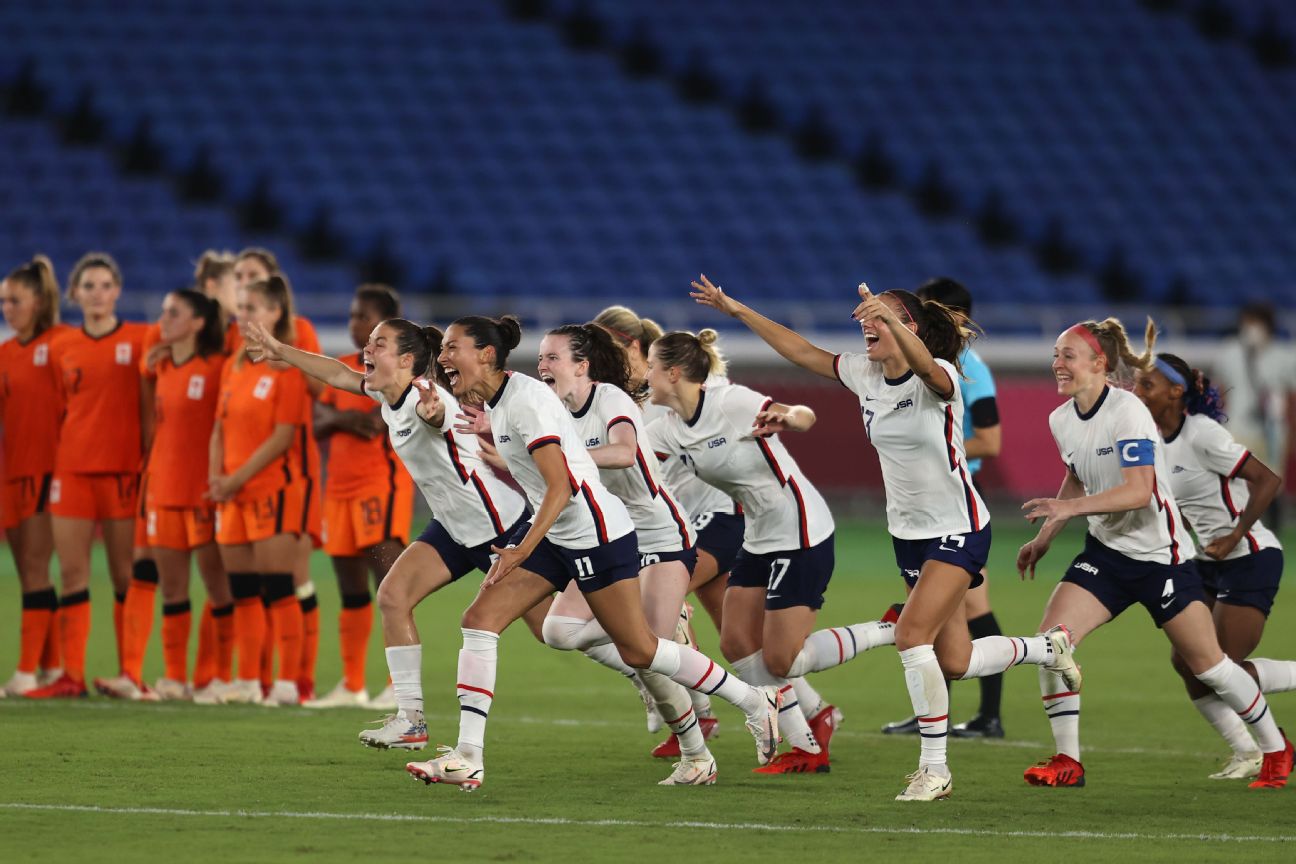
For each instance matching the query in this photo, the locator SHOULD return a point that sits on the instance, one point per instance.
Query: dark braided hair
(1200, 396)
(593, 343)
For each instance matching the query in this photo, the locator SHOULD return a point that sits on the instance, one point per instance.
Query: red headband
(1084, 333)
(903, 306)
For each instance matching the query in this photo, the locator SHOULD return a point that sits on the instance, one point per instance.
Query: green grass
(569, 778)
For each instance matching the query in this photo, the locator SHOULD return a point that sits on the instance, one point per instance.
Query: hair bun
(510, 331)
(708, 336)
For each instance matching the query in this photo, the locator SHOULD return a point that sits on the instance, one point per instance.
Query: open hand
(472, 420)
(711, 295)
(507, 560)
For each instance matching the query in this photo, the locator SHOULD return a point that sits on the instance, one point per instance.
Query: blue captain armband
(1136, 451)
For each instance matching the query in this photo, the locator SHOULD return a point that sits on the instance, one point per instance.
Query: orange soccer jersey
(184, 409)
(254, 399)
(33, 403)
(100, 381)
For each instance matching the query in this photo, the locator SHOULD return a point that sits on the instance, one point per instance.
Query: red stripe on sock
(1058, 695)
(841, 649)
(785, 688)
(476, 690)
(679, 718)
(1254, 702)
(710, 666)
(933, 719)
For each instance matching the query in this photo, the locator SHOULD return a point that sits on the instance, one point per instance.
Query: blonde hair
(37, 276)
(628, 328)
(1117, 352)
(88, 261)
(695, 356)
(212, 265)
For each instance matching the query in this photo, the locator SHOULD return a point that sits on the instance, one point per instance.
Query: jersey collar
(1175, 434)
(697, 414)
(395, 406)
(499, 394)
(893, 382)
(588, 402)
(120, 322)
(1088, 415)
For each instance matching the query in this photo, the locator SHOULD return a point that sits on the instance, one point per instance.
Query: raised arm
(335, 373)
(792, 346)
(920, 359)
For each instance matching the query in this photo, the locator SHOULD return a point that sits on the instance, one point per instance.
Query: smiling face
(177, 320)
(558, 369)
(96, 292)
(466, 365)
(663, 381)
(1076, 367)
(383, 361)
(20, 306)
(879, 343)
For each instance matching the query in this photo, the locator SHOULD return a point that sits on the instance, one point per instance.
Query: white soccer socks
(792, 722)
(1226, 722)
(994, 654)
(405, 665)
(930, 699)
(1240, 692)
(833, 646)
(1276, 676)
(476, 690)
(1063, 709)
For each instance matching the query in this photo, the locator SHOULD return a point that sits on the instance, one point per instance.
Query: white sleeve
(850, 368)
(660, 440)
(539, 425)
(1215, 448)
(740, 405)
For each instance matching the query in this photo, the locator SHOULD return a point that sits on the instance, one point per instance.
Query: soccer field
(569, 777)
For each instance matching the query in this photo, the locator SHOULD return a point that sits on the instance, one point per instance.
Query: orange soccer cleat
(1061, 770)
(65, 687)
(1275, 768)
(796, 761)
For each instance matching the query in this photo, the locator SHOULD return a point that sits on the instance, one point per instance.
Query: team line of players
(589, 543)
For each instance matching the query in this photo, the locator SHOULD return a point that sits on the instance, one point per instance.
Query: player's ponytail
(944, 330)
(592, 343)
(424, 343)
(502, 334)
(1116, 350)
(695, 356)
(1199, 396)
(37, 276)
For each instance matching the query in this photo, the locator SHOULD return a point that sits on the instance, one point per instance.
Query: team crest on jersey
(904, 403)
(263, 385)
(593, 442)
(1105, 451)
(715, 442)
(123, 353)
(56, 492)
(40, 357)
(197, 384)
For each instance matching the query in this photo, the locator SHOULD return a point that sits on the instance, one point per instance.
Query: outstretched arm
(335, 373)
(915, 352)
(791, 345)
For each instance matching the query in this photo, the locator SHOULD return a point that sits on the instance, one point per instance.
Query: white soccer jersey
(919, 441)
(525, 415)
(697, 497)
(1116, 433)
(660, 523)
(464, 494)
(1204, 465)
(784, 510)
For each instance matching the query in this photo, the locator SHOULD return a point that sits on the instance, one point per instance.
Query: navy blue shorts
(720, 535)
(969, 551)
(798, 577)
(592, 568)
(1119, 581)
(461, 560)
(1251, 580)
(688, 556)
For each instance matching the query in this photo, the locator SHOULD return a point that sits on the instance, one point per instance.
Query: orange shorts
(24, 497)
(182, 528)
(353, 524)
(282, 512)
(94, 496)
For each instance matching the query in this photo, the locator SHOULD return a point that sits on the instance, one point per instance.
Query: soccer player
(590, 374)
(96, 478)
(474, 510)
(1222, 490)
(254, 478)
(981, 439)
(579, 531)
(913, 416)
(255, 264)
(368, 499)
(729, 433)
(1137, 549)
(32, 406)
(179, 519)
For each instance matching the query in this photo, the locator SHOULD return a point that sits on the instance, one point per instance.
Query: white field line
(641, 823)
(569, 722)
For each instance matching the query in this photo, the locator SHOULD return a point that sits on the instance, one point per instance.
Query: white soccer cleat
(212, 693)
(1240, 766)
(692, 772)
(283, 694)
(397, 732)
(763, 725)
(651, 714)
(340, 697)
(1064, 657)
(19, 684)
(241, 692)
(170, 690)
(450, 767)
(682, 633)
(125, 688)
(925, 784)
(384, 700)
